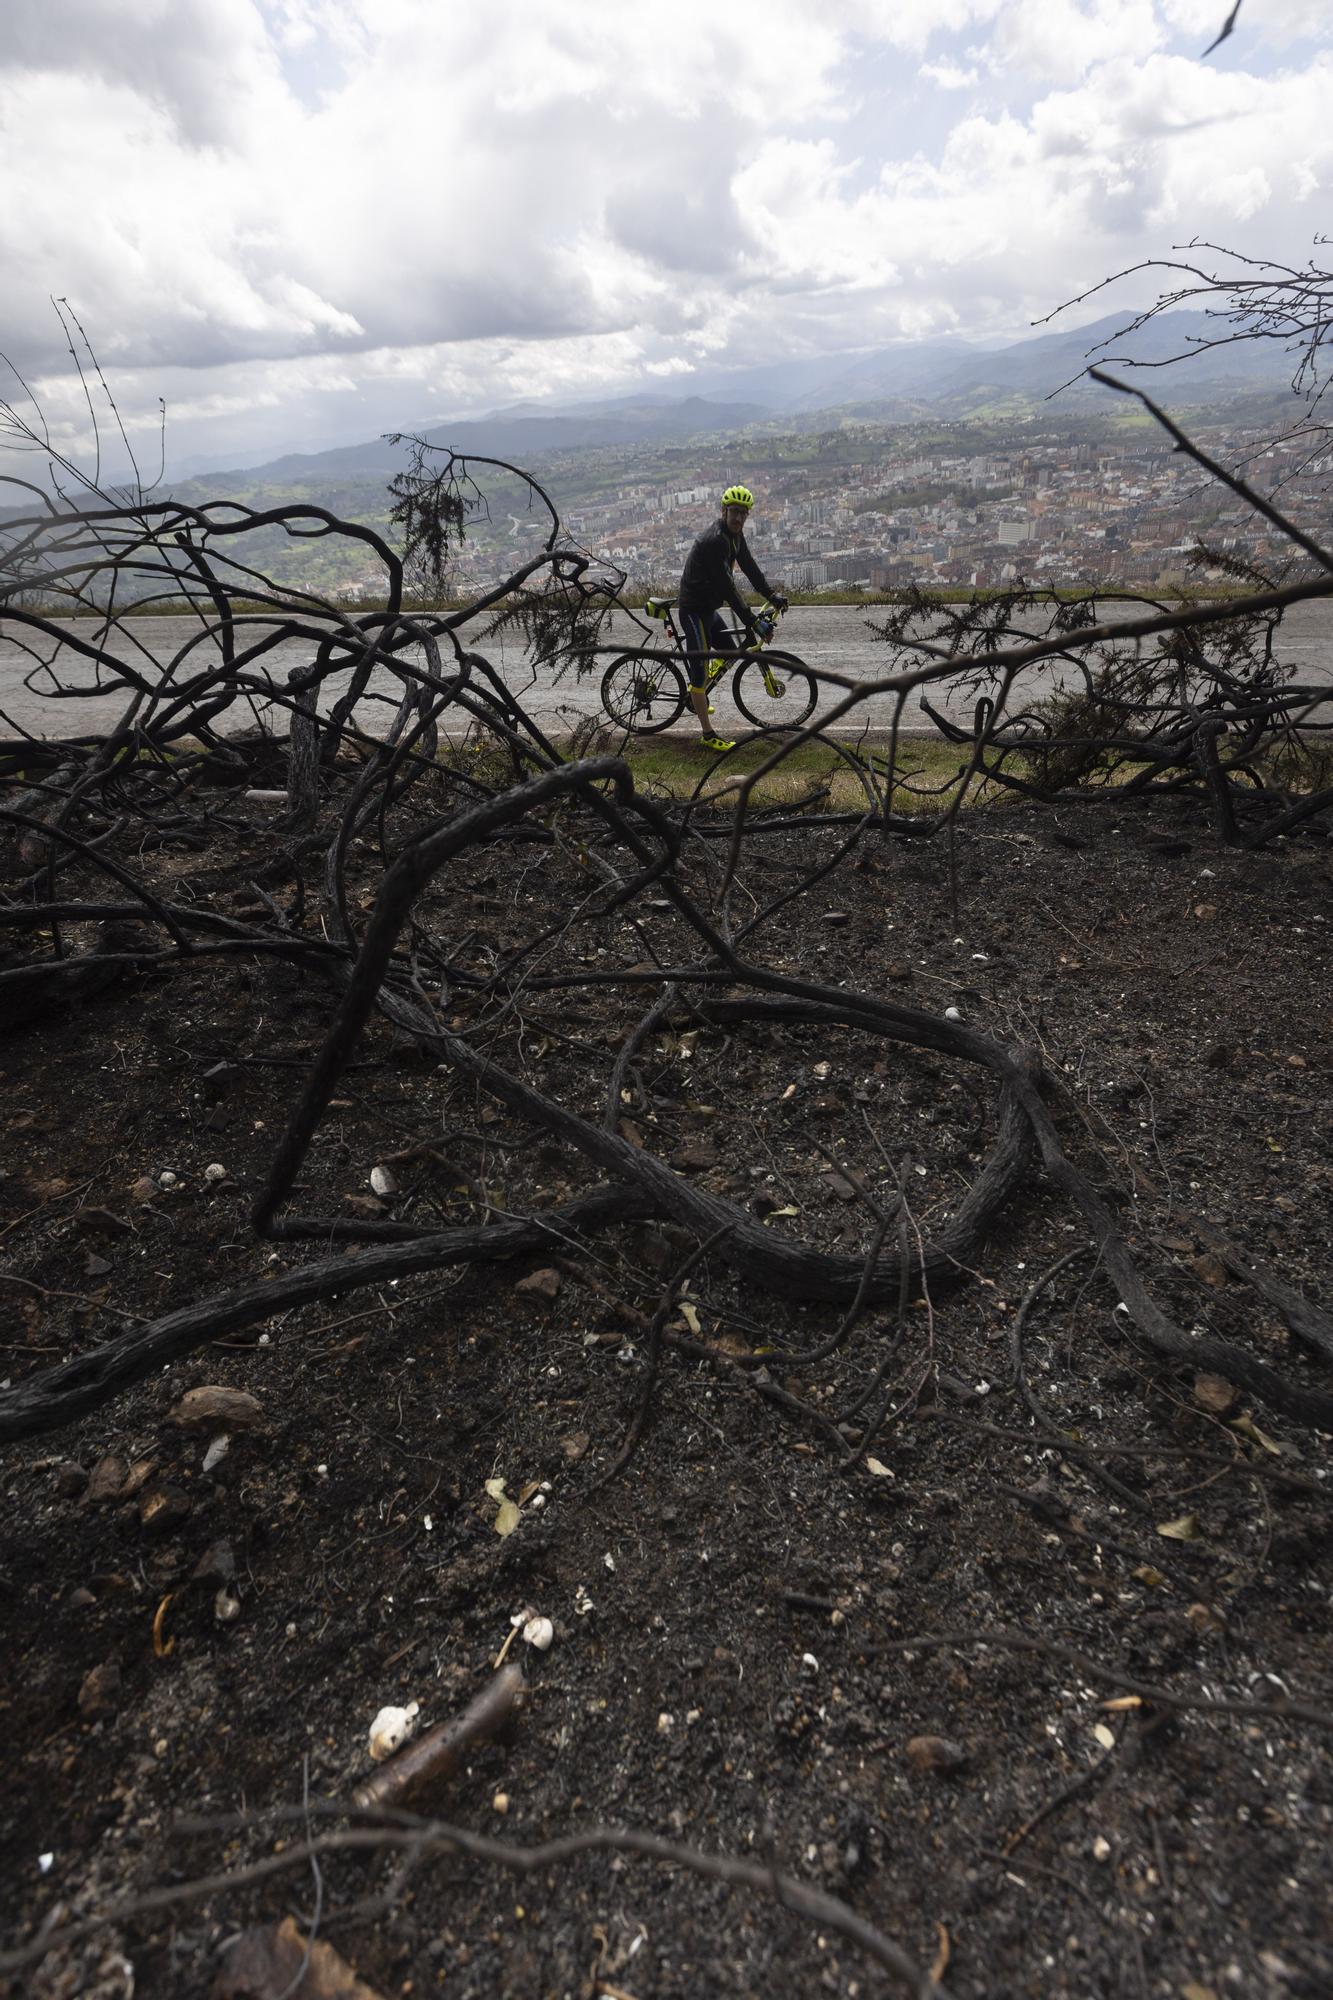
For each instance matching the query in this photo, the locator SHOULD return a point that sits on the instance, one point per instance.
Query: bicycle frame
(767, 619)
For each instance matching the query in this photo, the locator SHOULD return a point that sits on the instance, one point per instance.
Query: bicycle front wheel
(773, 692)
(642, 694)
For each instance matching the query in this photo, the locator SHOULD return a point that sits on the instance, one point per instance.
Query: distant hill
(947, 378)
(517, 437)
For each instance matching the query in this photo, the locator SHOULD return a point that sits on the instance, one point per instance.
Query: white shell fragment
(216, 1451)
(391, 1729)
(383, 1182)
(215, 1171)
(539, 1632)
(953, 1013)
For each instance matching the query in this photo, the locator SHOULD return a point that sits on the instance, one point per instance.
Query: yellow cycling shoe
(715, 743)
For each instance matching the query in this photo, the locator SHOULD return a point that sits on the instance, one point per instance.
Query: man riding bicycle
(707, 584)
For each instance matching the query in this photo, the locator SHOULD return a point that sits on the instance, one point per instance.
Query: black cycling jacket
(706, 582)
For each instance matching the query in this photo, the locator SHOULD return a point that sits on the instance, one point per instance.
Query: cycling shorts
(704, 633)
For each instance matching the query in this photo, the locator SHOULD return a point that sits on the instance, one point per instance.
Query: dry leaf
(690, 1317)
(1146, 1574)
(1123, 1701)
(1248, 1428)
(162, 1647)
(880, 1471)
(1185, 1528)
(508, 1517)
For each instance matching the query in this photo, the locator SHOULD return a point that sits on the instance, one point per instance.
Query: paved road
(833, 637)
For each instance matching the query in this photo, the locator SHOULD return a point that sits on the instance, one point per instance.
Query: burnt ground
(727, 1667)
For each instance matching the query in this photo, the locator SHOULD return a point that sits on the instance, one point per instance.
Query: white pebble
(166, 1179)
(665, 1723)
(1101, 1848)
(383, 1182)
(216, 1451)
(500, 1803)
(953, 1014)
(539, 1632)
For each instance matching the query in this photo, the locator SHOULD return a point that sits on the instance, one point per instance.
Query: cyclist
(707, 584)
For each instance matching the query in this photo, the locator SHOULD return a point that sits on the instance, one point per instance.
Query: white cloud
(948, 75)
(357, 212)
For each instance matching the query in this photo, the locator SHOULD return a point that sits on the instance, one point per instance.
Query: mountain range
(946, 379)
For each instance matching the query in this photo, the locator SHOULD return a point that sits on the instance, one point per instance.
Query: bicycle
(646, 693)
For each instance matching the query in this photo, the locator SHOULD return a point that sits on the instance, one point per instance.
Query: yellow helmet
(738, 496)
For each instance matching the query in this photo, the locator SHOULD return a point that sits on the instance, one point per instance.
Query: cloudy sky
(303, 222)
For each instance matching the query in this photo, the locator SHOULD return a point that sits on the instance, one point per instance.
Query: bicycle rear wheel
(773, 692)
(643, 694)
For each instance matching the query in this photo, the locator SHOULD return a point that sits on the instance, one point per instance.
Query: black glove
(780, 602)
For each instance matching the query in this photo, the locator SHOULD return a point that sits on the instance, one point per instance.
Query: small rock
(107, 1479)
(575, 1446)
(1210, 1269)
(143, 1189)
(162, 1508)
(1101, 1848)
(216, 1565)
(953, 1014)
(935, 1753)
(384, 1183)
(71, 1480)
(138, 1477)
(95, 1266)
(100, 1691)
(900, 974)
(543, 1284)
(695, 1158)
(1215, 1394)
(81, 1599)
(219, 1080)
(391, 1729)
(500, 1803)
(214, 1407)
(101, 1222)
